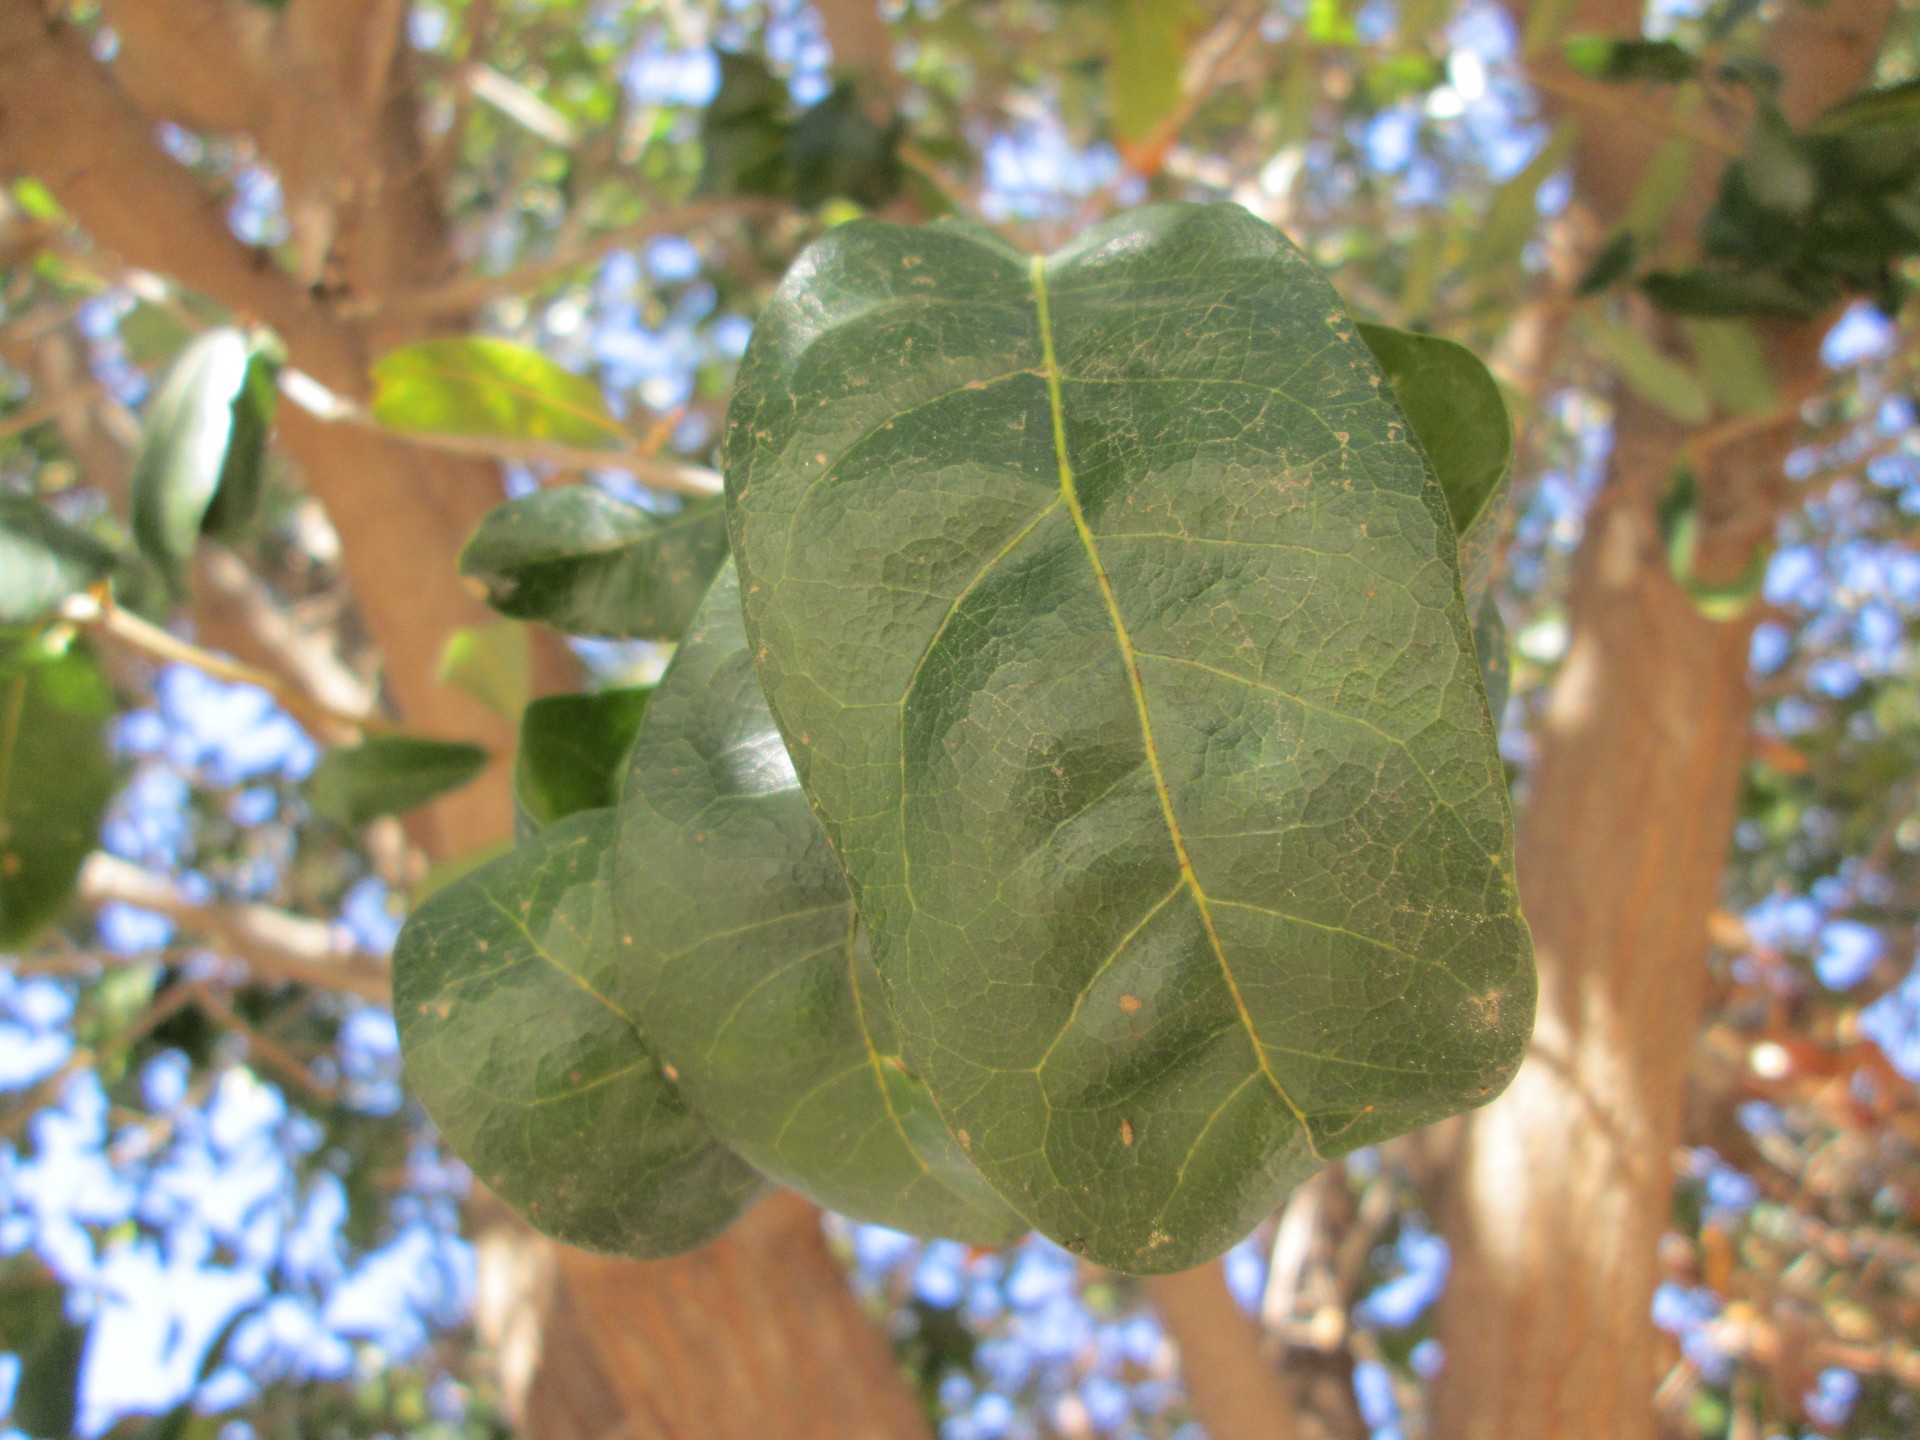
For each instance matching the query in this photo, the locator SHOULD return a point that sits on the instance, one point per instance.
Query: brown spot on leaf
(1130, 1004)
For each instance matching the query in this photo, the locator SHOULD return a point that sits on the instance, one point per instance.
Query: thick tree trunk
(1564, 1184)
(757, 1335)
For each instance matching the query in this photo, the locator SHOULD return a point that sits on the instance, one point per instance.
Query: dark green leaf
(503, 987)
(1458, 416)
(837, 151)
(56, 776)
(581, 561)
(749, 970)
(1606, 58)
(1113, 623)
(389, 775)
(1724, 293)
(476, 385)
(1614, 262)
(1897, 107)
(34, 1328)
(573, 752)
(743, 132)
(43, 559)
(203, 448)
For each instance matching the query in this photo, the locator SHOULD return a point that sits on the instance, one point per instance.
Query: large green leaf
(573, 751)
(503, 988)
(43, 559)
(1114, 625)
(202, 457)
(1454, 405)
(389, 775)
(584, 562)
(477, 385)
(56, 776)
(747, 965)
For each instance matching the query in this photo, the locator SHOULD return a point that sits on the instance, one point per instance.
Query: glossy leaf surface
(56, 777)
(573, 751)
(43, 559)
(1114, 625)
(588, 563)
(477, 385)
(747, 965)
(389, 775)
(503, 986)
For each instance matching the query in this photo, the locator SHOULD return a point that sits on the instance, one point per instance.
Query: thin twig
(662, 474)
(276, 1056)
(275, 945)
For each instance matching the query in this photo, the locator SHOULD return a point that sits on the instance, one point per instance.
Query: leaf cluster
(1073, 803)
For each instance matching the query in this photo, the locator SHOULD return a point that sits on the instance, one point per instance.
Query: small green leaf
(835, 150)
(748, 969)
(1658, 379)
(1614, 262)
(202, 452)
(1458, 416)
(1732, 364)
(389, 775)
(1662, 185)
(1149, 49)
(34, 1328)
(503, 989)
(477, 385)
(1678, 517)
(744, 129)
(573, 752)
(1779, 167)
(1623, 60)
(43, 559)
(584, 562)
(493, 663)
(1726, 293)
(56, 776)
(1897, 107)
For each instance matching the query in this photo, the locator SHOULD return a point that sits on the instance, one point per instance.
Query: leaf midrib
(1037, 268)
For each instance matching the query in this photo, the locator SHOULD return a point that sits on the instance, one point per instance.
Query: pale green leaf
(43, 559)
(56, 777)
(202, 457)
(493, 663)
(477, 385)
(1656, 378)
(1732, 364)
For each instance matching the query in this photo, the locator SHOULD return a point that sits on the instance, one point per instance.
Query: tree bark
(1564, 1184)
(1234, 1390)
(757, 1335)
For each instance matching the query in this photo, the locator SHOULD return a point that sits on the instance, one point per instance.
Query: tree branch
(273, 944)
(1235, 1391)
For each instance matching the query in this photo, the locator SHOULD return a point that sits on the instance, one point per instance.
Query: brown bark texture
(757, 1335)
(1564, 1184)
